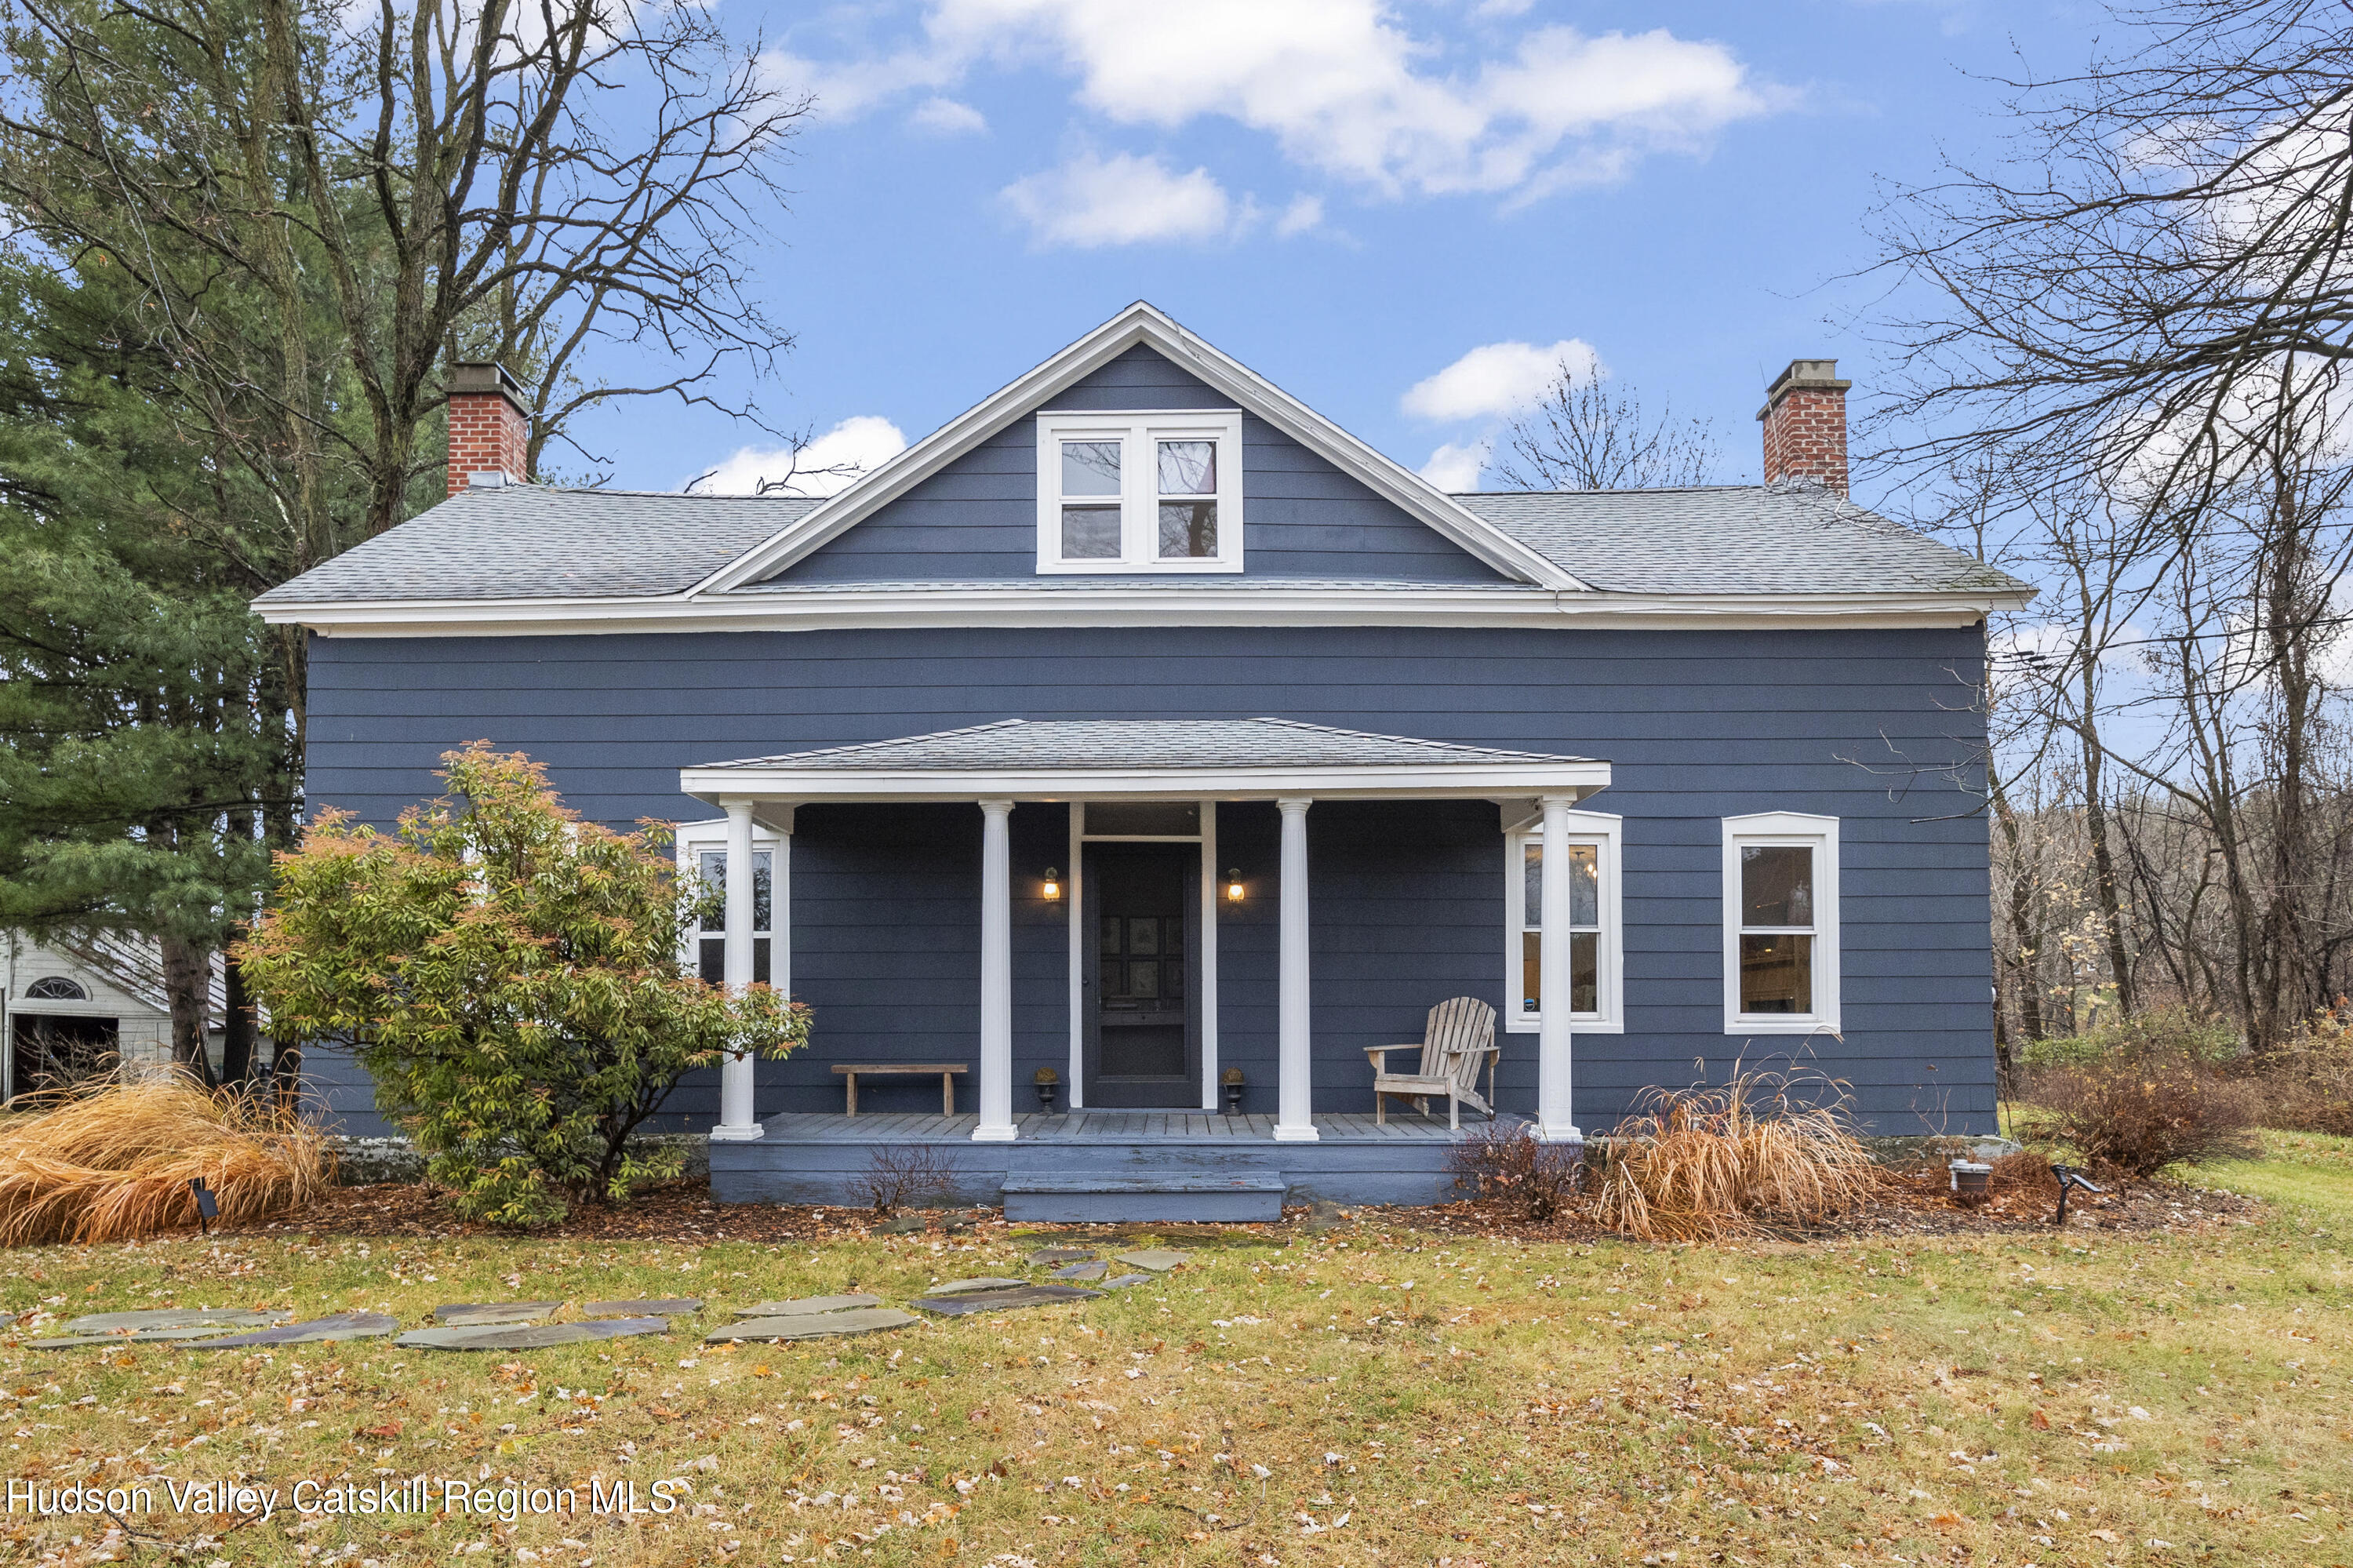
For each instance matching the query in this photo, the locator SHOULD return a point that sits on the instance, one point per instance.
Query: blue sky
(1397, 211)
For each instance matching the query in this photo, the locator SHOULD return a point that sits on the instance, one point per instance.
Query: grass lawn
(1363, 1395)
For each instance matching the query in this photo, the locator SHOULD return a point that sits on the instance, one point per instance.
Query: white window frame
(1139, 487)
(1606, 832)
(693, 840)
(1796, 828)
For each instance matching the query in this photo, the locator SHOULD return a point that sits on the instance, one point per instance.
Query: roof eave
(1211, 604)
(1452, 781)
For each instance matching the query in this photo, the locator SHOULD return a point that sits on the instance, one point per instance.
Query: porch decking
(1112, 1126)
(1178, 1164)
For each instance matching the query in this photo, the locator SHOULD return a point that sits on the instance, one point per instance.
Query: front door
(1143, 1005)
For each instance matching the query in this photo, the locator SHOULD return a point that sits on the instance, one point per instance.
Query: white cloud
(854, 446)
(1456, 466)
(1341, 85)
(1306, 212)
(946, 117)
(1496, 380)
(1093, 201)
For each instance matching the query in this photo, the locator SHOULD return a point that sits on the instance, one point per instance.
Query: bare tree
(284, 215)
(428, 177)
(1588, 434)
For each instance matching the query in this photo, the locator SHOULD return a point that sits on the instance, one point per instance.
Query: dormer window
(1139, 492)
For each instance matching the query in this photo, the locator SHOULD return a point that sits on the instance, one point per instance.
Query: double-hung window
(702, 851)
(1140, 492)
(1781, 924)
(1590, 859)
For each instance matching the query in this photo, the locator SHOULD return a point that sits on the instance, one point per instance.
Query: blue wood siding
(1874, 727)
(977, 519)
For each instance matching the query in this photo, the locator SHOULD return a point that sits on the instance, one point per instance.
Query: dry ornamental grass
(1706, 1163)
(114, 1160)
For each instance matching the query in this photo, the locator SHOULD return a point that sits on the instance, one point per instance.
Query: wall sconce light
(1234, 885)
(1053, 889)
(1233, 1079)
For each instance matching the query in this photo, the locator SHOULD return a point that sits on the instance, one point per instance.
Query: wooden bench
(946, 1070)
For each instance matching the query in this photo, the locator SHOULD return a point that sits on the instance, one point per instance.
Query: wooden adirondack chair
(1461, 1033)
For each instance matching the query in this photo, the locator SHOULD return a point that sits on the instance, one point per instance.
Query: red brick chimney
(1805, 424)
(490, 433)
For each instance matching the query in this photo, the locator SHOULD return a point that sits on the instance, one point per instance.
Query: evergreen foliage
(511, 976)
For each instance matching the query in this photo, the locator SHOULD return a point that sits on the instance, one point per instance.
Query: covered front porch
(1149, 1031)
(1104, 1165)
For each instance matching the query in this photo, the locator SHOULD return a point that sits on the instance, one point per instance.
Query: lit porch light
(1234, 885)
(1053, 888)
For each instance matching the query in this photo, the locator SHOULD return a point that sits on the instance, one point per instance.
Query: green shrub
(510, 978)
(2154, 1096)
(2175, 1029)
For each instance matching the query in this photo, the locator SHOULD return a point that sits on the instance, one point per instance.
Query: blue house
(1142, 739)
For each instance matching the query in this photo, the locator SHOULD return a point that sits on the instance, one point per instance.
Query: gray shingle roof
(541, 541)
(1176, 744)
(1734, 538)
(547, 542)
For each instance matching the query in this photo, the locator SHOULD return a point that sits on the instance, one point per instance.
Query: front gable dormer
(1140, 453)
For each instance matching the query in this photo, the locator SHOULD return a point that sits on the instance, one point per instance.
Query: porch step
(1116, 1195)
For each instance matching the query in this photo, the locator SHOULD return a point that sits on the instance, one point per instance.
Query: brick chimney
(1805, 424)
(490, 433)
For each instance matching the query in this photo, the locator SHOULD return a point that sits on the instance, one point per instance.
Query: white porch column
(735, 1123)
(1294, 1119)
(1553, 1123)
(995, 975)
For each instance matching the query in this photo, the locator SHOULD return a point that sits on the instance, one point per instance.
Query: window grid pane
(712, 866)
(1776, 973)
(1189, 530)
(1090, 468)
(1090, 533)
(1584, 860)
(1776, 887)
(1188, 468)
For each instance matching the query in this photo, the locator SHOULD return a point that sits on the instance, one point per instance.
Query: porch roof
(1254, 758)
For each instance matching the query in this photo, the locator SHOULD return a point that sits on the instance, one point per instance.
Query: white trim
(1295, 1033)
(1138, 501)
(1555, 1056)
(1204, 984)
(1139, 324)
(1820, 834)
(997, 1125)
(1606, 832)
(1177, 603)
(1076, 1085)
(783, 781)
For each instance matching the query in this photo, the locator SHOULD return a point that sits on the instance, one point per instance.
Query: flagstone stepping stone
(669, 1307)
(806, 1305)
(528, 1336)
(478, 1314)
(217, 1319)
(1124, 1280)
(335, 1326)
(986, 1282)
(1158, 1259)
(1046, 1255)
(814, 1325)
(141, 1336)
(973, 1301)
(1082, 1271)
